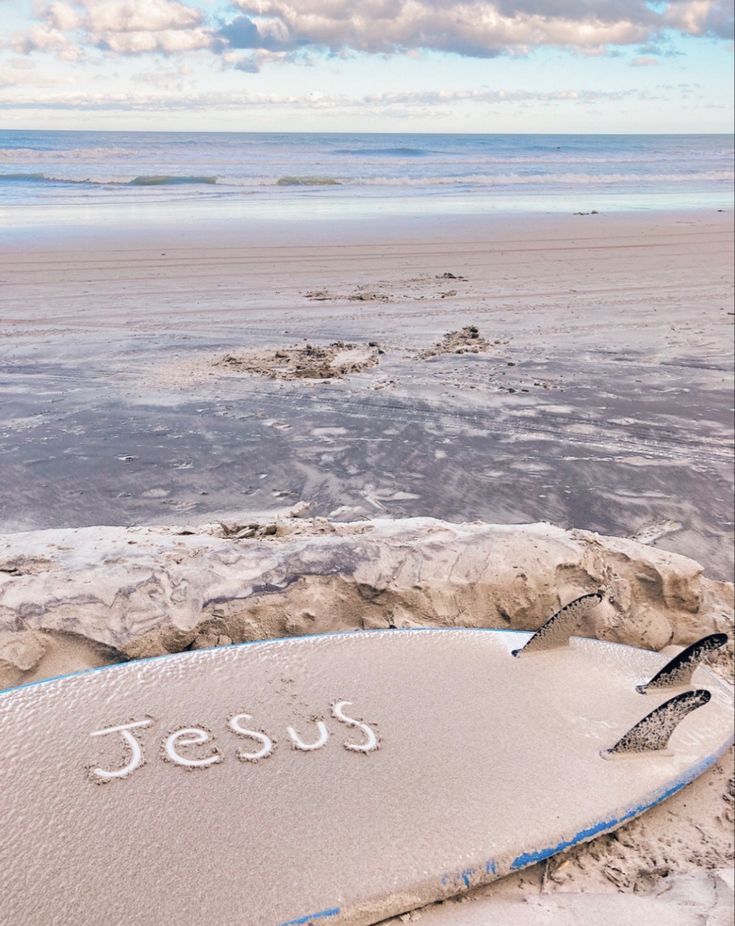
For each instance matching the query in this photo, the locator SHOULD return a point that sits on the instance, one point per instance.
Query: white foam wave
(499, 180)
(563, 179)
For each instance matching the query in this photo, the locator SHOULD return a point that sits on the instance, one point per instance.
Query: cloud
(273, 30)
(701, 17)
(644, 61)
(18, 74)
(392, 104)
(127, 27)
(476, 28)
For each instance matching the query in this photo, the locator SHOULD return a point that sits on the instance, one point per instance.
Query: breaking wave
(144, 180)
(169, 180)
(459, 181)
(307, 181)
(546, 179)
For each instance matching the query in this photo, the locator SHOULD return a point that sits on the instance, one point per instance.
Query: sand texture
(704, 899)
(147, 591)
(597, 393)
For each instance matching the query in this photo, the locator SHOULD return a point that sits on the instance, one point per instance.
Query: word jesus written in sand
(195, 747)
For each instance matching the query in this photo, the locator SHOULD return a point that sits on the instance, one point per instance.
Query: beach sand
(599, 397)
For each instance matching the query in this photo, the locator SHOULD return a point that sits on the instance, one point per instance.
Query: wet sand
(601, 400)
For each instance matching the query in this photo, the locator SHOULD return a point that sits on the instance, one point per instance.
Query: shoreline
(127, 227)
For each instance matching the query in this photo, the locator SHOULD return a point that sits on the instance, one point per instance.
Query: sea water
(58, 177)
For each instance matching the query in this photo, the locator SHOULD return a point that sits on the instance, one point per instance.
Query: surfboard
(334, 779)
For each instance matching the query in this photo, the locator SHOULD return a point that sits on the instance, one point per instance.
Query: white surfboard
(331, 779)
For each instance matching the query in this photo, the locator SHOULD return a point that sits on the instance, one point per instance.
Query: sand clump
(363, 294)
(359, 294)
(413, 289)
(332, 361)
(467, 340)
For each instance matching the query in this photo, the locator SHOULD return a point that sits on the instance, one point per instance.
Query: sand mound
(333, 361)
(466, 340)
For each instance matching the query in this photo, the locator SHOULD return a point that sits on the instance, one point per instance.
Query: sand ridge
(149, 591)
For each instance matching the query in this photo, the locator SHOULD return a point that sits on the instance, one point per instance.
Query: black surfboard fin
(680, 669)
(654, 731)
(557, 629)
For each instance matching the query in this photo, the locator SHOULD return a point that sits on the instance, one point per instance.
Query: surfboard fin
(680, 669)
(654, 731)
(557, 629)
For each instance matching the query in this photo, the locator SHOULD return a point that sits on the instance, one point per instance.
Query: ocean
(86, 177)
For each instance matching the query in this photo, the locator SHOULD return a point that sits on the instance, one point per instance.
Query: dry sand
(137, 592)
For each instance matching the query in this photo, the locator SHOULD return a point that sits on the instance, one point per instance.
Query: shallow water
(92, 178)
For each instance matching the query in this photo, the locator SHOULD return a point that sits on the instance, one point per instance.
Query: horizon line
(332, 132)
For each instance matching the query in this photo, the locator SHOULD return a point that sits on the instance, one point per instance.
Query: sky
(368, 65)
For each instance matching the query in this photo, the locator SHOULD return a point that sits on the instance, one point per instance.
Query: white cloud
(166, 41)
(118, 26)
(18, 73)
(385, 103)
(114, 16)
(701, 17)
(480, 28)
(271, 30)
(62, 17)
